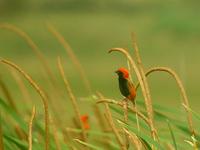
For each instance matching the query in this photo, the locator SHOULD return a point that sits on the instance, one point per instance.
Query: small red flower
(84, 119)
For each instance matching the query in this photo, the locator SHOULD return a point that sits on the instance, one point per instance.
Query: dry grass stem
(109, 118)
(131, 109)
(129, 69)
(30, 128)
(100, 118)
(125, 108)
(137, 118)
(182, 90)
(40, 92)
(37, 52)
(71, 54)
(40, 57)
(67, 137)
(32, 45)
(134, 139)
(169, 147)
(20, 133)
(83, 143)
(1, 134)
(114, 129)
(25, 94)
(72, 98)
(140, 79)
(135, 102)
(144, 79)
(8, 95)
(55, 135)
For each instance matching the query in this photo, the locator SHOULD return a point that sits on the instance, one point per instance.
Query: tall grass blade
(88, 145)
(182, 91)
(22, 145)
(146, 85)
(41, 94)
(8, 95)
(195, 114)
(1, 134)
(130, 116)
(72, 55)
(30, 129)
(172, 135)
(72, 98)
(141, 135)
(13, 114)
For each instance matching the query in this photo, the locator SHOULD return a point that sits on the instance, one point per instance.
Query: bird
(126, 87)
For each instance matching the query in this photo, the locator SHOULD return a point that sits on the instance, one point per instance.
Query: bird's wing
(130, 85)
(132, 90)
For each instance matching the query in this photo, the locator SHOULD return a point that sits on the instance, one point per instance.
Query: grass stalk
(20, 133)
(39, 91)
(55, 134)
(72, 55)
(172, 135)
(25, 94)
(90, 146)
(32, 45)
(1, 134)
(72, 98)
(100, 118)
(105, 140)
(114, 129)
(8, 95)
(38, 54)
(67, 137)
(135, 102)
(146, 86)
(110, 101)
(133, 138)
(30, 128)
(125, 108)
(182, 91)
(109, 118)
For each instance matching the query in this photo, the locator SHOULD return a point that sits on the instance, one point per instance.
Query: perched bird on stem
(126, 87)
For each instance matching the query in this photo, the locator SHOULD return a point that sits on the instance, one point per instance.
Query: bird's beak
(116, 71)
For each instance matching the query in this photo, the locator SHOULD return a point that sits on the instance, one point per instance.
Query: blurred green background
(168, 34)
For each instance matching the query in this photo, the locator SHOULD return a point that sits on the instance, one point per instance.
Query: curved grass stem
(182, 90)
(144, 79)
(1, 134)
(8, 95)
(30, 128)
(39, 91)
(109, 118)
(125, 107)
(32, 45)
(110, 101)
(72, 98)
(72, 55)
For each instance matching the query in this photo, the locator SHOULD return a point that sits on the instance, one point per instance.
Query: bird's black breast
(123, 86)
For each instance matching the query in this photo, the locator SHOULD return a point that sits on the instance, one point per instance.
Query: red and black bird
(126, 87)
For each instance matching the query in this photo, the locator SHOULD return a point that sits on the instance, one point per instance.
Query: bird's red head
(123, 73)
